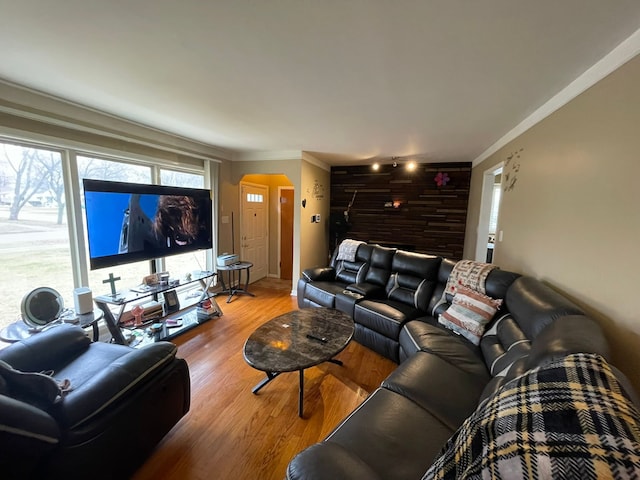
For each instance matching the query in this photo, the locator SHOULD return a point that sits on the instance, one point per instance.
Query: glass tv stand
(167, 322)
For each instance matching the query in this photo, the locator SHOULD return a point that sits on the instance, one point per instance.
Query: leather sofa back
(530, 308)
(564, 336)
(496, 286)
(380, 265)
(413, 279)
(356, 271)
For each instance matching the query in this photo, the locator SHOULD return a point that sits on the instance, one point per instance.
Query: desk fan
(41, 306)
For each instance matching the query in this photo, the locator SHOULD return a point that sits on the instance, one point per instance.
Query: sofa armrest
(319, 274)
(26, 435)
(46, 350)
(368, 290)
(113, 383)
(328, 461)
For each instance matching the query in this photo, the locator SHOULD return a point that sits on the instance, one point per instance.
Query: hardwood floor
(232, 433)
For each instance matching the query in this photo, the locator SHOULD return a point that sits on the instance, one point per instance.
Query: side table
(231, 270)
(19, 330)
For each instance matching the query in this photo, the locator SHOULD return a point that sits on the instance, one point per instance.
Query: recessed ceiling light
(411, 166)
(376, 166)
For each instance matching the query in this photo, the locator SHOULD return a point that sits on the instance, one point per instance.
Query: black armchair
(110, 406)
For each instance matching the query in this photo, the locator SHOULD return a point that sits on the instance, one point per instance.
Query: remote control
(320, 339)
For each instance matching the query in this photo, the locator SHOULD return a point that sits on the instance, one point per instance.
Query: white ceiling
(347, 79)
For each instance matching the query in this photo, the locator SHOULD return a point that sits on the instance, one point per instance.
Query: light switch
(500, 236)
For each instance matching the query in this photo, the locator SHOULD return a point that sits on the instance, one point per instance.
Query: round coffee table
(298, 340)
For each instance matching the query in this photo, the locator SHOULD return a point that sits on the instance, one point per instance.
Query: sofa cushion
(323, 293)
(427, 335)
(384, 316)
(574, 427)
(393, 435)
(425, 373)
(104, 375)
(469, 314)
(328, 461)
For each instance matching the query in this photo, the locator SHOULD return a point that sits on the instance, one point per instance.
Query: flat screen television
(130, 222)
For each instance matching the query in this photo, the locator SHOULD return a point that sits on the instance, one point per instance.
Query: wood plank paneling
(429, 218)
(232, 433)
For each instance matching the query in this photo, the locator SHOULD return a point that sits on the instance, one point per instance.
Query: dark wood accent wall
(428, 218)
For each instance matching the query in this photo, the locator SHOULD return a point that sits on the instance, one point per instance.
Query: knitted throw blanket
(465, 273)
(470, 274)
(347, 250)
(569, 419)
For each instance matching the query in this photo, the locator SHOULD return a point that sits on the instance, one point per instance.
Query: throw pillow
(567, 419)
(469, 313)
(34, 388)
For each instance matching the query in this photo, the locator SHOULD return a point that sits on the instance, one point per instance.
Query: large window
(98, 169)
(34, 238)
(179, 265)
(36, 243)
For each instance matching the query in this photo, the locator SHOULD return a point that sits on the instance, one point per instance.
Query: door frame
(280, 189)
(486, 200)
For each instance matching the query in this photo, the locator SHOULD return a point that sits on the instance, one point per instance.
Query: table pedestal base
(272, 375)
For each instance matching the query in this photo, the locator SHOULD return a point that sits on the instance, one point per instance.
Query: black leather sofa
(117, 405)
(401, 428)
(383, 289)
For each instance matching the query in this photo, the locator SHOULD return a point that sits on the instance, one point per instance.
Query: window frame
(71, 150)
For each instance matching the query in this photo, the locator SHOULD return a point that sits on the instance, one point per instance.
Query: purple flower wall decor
(441, 179)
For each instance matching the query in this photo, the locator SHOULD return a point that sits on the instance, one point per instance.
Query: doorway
(488, 234)
(254, 228)
(285, 233)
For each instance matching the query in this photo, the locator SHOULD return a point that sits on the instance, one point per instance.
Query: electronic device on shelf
(172, 304)
(227, 259)
(130, 222)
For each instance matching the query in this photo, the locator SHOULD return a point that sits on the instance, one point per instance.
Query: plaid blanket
(569, 419)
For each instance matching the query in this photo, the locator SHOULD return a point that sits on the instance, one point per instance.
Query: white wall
(572, 218)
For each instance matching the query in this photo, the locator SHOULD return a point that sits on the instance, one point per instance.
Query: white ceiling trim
(268, 155)
(307, 157)
(620, 55)
(50, 118)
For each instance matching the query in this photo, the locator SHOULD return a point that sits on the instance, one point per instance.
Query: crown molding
(266, 155)
(22, 106)
(620, 55)
(307, 157)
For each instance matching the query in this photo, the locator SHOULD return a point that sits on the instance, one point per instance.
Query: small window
(255, 198)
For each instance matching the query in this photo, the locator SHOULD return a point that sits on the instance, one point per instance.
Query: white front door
(254, 228)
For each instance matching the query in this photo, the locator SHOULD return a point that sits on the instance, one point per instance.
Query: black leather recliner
(120, 403)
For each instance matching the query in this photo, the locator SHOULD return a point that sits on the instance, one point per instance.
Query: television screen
(130, 222)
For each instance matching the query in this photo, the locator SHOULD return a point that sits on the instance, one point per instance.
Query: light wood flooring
(231, 433)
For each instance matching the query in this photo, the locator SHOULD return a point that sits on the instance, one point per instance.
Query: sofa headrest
(380, 265)
(413, 279)
(498, 282)
(567, 335)
(416, 264)
(47, 350)
(534, 305)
